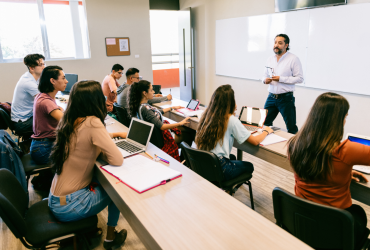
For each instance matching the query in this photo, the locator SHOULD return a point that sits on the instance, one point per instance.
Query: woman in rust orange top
(323, 164)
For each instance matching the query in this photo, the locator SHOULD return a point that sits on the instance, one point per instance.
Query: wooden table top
(191, 213)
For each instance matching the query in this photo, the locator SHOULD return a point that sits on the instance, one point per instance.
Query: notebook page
(141, 173)
(271, 139)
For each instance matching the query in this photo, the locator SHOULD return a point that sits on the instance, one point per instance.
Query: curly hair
(135, 96)
(213, 124)
(86, 99)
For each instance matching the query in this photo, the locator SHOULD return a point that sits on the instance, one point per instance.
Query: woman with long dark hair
(323, 164)
(140, 93)
(81, 138)
(217, 129)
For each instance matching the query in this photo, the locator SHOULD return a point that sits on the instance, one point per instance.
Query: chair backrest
(5, 121)
(204, 163)
(157, 138)
(317, 225)
(122, 115)
(13, 203)
(157, 89)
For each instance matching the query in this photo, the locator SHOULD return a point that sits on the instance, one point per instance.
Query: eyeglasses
(135, 77)
(120, 73)
(42, 64)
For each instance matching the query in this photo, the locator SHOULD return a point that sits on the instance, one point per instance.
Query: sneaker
(118, 240)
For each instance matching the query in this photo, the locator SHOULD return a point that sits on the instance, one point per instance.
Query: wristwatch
(266, 131)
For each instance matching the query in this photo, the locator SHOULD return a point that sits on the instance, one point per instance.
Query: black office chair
(36, 227)
(207, 165)
(122, 115)
(157, 137)
(30, 168)
(7, 123)
(157, 89)
(319, 226)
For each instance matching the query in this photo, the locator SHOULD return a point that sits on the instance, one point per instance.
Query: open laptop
(363, 140)
(137, 140)
(72, 79)
(253, 118)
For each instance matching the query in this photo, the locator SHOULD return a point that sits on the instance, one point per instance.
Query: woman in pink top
(81, 138)
(110, 85)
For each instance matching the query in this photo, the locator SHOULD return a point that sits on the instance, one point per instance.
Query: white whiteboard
(244, 44)
(339, 49)
(332, 43)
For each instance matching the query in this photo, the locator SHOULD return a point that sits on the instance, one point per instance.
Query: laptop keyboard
(250, 128)
(128, 147)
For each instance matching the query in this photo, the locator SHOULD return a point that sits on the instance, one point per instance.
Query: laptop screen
(253, 116)
(359, 140)
(139, 132)
(72, 79)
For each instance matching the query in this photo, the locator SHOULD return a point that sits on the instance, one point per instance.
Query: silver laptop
(137, 140)
(253, 118)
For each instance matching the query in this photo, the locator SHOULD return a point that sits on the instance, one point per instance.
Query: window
(55, 28)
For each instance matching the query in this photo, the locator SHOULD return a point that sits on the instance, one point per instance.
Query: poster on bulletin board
(117, 46)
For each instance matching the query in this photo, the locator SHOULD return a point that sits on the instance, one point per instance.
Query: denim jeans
(286, 106)
(233, 168)
(40, 150)
(84, 203)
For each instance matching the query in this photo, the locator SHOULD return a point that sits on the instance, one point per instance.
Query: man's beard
(277, 52)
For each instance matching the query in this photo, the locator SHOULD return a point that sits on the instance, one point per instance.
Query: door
(186, 56)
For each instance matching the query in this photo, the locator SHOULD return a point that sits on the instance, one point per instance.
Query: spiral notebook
(141, 173)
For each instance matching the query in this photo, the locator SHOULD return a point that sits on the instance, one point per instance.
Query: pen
(148, 155)
(164, 160)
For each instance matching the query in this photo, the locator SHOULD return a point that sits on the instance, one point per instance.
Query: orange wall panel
(167, 78)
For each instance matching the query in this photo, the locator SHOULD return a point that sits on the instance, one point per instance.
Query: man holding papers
(283, 70)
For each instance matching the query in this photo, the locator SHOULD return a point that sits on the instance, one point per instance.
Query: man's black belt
(277, 96)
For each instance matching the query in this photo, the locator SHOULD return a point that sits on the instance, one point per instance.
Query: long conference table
(274, 153)
(190, 212)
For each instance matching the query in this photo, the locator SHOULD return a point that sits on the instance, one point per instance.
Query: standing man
(282, 72)
(24, 95)
(110, 85)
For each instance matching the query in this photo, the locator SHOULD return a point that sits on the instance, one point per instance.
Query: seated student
(132, 75)
(24, 94)
(81, 138)
(46, 113)
(110, 84)
(323, 164)
(140, 93)
(217, 129)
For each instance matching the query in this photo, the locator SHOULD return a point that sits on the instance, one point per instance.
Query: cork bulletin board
(117, 46)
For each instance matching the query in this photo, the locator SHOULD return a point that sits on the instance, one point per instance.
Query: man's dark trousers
(285, 104)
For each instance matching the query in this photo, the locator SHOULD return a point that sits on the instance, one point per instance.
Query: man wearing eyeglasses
(24, 95)
(110, 85)
(132, 76)
(283, 70)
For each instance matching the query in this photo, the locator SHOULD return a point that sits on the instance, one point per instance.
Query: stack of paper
(271, 139)
(141, 174)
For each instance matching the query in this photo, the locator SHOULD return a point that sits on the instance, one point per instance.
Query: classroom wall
(251, 92)
(109, 18)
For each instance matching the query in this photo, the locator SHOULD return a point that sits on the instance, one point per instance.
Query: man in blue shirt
(24, 94)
